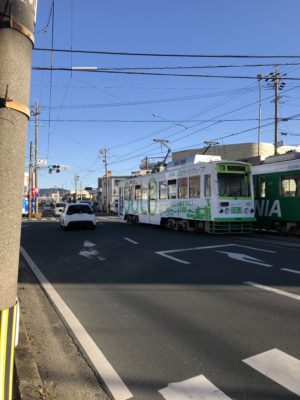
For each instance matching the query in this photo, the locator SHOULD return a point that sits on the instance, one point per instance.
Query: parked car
(96, 206)
(77, 214)
(59, 208)
(47, 207)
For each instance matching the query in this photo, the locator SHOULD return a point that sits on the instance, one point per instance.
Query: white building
(112, 183)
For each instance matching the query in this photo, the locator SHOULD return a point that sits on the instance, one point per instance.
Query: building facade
(112, 183)
(236, 152)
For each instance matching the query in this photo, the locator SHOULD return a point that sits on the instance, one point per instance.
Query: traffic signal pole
(16, 42)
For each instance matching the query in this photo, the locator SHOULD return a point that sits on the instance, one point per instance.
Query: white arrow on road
(197, 388)
(91, 253)
(245, 258)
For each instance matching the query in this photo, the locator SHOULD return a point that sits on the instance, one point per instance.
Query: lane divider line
(130, 240)
(113, 381)
(294, 271)
(273, 290)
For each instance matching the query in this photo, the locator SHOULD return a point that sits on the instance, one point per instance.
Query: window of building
(172, 189)
(163, 190)
(207, 185)
(194, 186)
(290, 185)
(183, 188)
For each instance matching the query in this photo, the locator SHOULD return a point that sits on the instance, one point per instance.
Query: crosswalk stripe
(195, 388)
(278, 366)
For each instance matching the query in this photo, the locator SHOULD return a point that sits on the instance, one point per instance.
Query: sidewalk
(49, 365)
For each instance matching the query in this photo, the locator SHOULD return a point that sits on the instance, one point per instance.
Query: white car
(59, 208)
(76, 214)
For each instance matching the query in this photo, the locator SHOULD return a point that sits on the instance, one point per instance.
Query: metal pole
(36, 113)
(16, 42)
(30, 183)
(259, 77)
(276, 85)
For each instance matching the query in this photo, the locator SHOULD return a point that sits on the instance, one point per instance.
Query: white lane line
(195, 388)
(255, 248)
(294, 271)
(113, 381)
(278, 366)
(130, 240)
(271, 289)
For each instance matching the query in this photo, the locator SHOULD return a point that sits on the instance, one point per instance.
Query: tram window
(163, 190)
(144, 192)
(126, 192)
(131, 193)
(194, 187)
(207, 185)
(152, 190)
(262, 186)
(183, 188)
(172, 189)
(138, 192)
(290, 185)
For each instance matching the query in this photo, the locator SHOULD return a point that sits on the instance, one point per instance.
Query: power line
(119, 53)
(112, 71)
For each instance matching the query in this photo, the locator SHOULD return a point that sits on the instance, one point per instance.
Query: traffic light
(52, 168)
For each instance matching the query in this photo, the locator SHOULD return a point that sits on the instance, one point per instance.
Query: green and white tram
(200, 193)
(277, 193)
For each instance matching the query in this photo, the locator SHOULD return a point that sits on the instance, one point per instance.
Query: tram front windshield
(234, 185)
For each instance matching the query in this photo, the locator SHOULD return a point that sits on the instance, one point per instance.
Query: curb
(28, 384)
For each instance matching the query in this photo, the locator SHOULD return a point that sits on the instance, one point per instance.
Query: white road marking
(88, 244)
(113, 381)
(278, 366)
(130, 240)
(165, 253)
(255, 248)
(294, 271)
(195, 388)
(89, 253)
(271, 289)
(245, 258)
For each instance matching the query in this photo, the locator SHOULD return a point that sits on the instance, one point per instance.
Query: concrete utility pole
(76, 179)
(103, 152)
(259, 77)
(277, 85)
(16, 41)
(36, 113)
(30, 186)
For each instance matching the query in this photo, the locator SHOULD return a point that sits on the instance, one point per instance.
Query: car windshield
(233, 185)
(60, 204)
(79, 208)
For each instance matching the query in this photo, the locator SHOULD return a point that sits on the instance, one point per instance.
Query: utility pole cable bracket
(14, 105)
(10, 22)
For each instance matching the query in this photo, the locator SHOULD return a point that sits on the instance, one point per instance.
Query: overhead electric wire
(107, 71)
(123, 53)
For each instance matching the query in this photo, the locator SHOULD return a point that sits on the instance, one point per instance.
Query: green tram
(277, 193)
(200, 193)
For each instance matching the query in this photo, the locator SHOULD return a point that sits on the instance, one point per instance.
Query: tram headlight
(221, 210)
(252, 210)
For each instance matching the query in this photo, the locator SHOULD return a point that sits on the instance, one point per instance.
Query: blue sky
(83, 112)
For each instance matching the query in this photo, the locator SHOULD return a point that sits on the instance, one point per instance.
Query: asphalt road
(165, 307)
